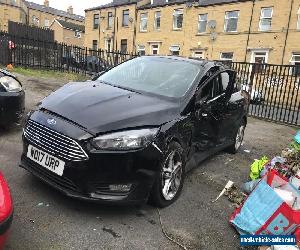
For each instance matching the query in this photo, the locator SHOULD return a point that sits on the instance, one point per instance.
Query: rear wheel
(238, 139)
(168, 185)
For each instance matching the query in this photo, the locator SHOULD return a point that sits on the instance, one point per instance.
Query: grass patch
(49, 74)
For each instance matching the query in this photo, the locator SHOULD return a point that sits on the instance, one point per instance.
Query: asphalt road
(45, 219)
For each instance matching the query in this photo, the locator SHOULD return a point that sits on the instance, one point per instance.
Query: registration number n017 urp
(46, 160)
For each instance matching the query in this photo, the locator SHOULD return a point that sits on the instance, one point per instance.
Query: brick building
(42, 16)
(68, 33)
(239, 30)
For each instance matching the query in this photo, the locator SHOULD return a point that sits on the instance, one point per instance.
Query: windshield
(161, 76)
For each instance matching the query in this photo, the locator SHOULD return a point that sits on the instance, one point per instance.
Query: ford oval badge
(51, 121)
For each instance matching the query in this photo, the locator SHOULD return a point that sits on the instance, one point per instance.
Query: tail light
(6, 207)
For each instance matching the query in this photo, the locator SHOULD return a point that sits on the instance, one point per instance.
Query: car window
(225, 80)
(157, 75)
(207, 92)
(217, 86)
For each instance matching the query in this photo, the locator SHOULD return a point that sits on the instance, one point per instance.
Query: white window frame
(110, 18)
(294, 62)
(156, 18)
(294, 54)
(261, 18)
(176, 14)
(226, 20)
(141, 48)
(151, 48)
(199, 51)
(106, 44)
(224, 58)
(143, 19)
(77, 34)
(202, 20)
(175, 48)
(253, 56)
(47, 23)
(298, 19)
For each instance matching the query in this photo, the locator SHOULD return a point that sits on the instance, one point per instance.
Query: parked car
(6, 211)
(133, 133)
(12, 99)
(89, 63)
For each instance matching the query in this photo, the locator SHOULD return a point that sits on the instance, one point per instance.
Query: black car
(12, 99)
(132, 134)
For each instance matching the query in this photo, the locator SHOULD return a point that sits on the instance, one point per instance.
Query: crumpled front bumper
(90, 180)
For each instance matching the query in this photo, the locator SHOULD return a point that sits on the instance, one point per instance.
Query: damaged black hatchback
(133, 133)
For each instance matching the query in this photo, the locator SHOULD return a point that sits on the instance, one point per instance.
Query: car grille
(61, 181)
(53, 142)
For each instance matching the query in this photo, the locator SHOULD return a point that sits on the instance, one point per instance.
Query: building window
(154, 49)
(157, 16)
(124, 45)
(77, 34)
(96, 21)
(177, 19)
(202, 23)
(143, 22)
(47, 23)
(198, 54)
(13, 2)
(35, 20)
(109, 20)
(226, 56)
(108, 43)
(298, 21)
(141, 50)
(95, 45)
(125, 20)
(231, 21)
(295, 60)
(259, 57)
(265, 22)
(175, 49)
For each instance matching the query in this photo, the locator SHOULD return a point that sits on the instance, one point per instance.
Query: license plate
(45, 160)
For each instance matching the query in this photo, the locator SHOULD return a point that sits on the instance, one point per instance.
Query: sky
(78, 5)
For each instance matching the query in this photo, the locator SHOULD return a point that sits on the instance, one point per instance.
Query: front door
(206, 118)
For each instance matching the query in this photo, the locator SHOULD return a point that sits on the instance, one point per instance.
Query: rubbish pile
(270, 203)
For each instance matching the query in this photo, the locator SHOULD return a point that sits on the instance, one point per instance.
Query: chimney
(46, 3)
(70, 10)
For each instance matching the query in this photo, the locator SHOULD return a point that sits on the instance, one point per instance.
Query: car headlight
(126, 140)
(10, 84)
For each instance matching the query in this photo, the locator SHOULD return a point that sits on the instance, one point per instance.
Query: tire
(169, 182)
(239, 137)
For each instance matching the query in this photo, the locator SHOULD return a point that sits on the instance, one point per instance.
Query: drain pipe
(287, 31)
(249, 30)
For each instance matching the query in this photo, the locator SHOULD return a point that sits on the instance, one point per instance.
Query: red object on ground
(6, 210)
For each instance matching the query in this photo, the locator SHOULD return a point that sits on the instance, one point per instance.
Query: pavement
(45, 219)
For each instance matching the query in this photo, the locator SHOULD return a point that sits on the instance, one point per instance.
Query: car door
(206, 125)
(214, 115)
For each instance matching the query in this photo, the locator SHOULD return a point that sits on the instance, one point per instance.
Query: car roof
(197, 61)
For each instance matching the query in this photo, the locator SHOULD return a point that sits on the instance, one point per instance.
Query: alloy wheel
(171, 175)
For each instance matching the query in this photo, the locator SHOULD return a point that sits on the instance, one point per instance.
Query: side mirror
(200, 103)
(96, 76)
